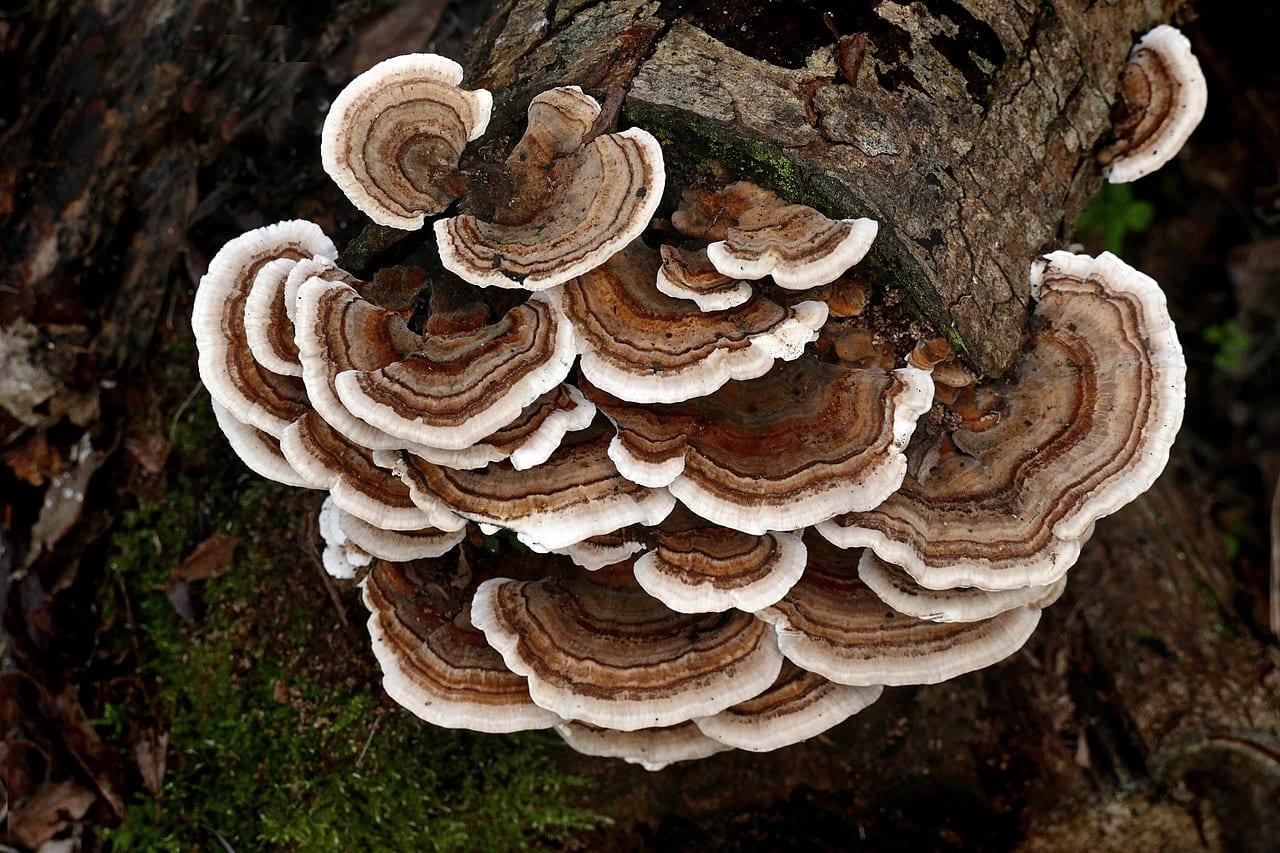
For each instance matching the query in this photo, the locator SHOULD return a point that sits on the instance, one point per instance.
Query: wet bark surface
(141, 136)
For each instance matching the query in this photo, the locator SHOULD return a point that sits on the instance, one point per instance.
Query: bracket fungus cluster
(712, 529)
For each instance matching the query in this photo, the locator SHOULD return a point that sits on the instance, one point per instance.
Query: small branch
(309, 533)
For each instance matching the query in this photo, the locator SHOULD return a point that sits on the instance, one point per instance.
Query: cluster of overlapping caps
(731, 538)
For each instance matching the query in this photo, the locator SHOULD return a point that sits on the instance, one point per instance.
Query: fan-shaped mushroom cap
(257, 450)
(1091, 409)
(645, 347)
(394, 135)
(251, 393)
(733, 457)
(614, 657)
(1163, 95)
(832, 624)
(327, 460)
(444, 391)
(342, 558)
(398, 546)
(689, 274)
(435, 663)
(796, 707)
(576, 494)
(899, 590)
(795, 244)
(700, 568)
(267, 325)
(652, 749)
(590, 204)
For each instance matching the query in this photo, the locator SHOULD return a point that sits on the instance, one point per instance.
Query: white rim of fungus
(1008, 632)
(216, 286)
(838, 703)
(784, 342)
(256, 449)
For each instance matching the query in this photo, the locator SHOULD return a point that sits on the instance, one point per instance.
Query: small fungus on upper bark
(393, 137)
(1162, 98)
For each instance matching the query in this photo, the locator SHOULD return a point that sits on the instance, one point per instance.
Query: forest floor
(180, 673)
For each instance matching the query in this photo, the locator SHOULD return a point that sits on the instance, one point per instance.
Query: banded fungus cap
(1162, 98)
(529, 440)
(434, 662)
(645, 347)
(697, 567)
(1090, 410)
(591, 200)
(257, 450)
(393, 137)
(328, 460)
(796, 245)
(758, 234)
(387, 387)
(598, 649)
(268, 326)
(689, 274)
(797, 706)
(596, 552)
(395, 546)
(732, 458)
(832, 624)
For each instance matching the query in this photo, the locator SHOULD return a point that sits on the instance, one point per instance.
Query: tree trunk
(966, 127)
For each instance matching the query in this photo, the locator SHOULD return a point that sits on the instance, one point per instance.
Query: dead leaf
(64, 499)
(151, 751)
(150, 451)
(208, 559)
(50, 808)
(33, 461)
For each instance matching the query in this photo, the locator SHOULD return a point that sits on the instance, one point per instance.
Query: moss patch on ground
(278, 733)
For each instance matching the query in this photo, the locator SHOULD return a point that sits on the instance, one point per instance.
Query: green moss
(1112, 215)
(279, 734)
(690, 146)
(1231, 345)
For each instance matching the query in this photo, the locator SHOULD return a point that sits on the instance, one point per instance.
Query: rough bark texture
(139, 136)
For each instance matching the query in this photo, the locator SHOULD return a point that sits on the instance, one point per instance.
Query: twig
(1275, 560)
(182, 407)
(373, 729)
(309, 533)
